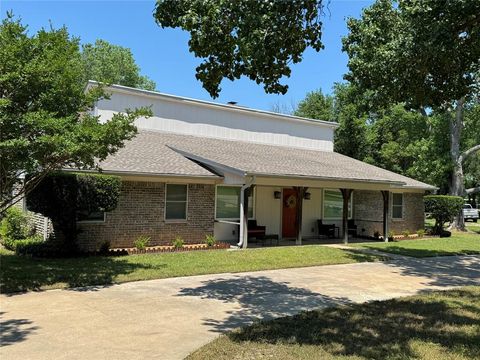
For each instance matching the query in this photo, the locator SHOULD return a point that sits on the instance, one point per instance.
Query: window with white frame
(333, 204)
(227, 203)
(397, 206)
(176, 202)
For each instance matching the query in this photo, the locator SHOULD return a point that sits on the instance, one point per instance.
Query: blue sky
(163, 54)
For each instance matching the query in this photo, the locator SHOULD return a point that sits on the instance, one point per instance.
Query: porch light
(277, 194)
(307, 196)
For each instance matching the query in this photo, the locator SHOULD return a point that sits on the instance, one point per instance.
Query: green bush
(104, 247)
(141, 242)
(30, 246)
(421, 233)
(61, 196)
(442, 208)
(14, 227)
(406, 233)
(210, 240)
(390, 235)
(178, 242)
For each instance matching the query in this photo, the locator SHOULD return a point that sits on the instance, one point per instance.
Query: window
(176, 202)
(397, 206)
(333, 205)
(227, 203)
(94, 216)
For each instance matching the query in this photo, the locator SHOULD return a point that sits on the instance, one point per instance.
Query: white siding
(268, 209)
(312, 211)
(192, 118)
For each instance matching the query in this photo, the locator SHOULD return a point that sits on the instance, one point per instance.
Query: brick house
(199, 168)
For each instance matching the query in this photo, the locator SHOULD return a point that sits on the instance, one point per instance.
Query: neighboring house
(194, 163)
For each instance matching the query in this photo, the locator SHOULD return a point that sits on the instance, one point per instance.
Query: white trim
(165, 205)
(403, 207)
(350, 216)
(229, 219)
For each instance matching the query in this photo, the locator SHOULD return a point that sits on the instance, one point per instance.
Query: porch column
(300, 191)
(386, 197)
(346, 193)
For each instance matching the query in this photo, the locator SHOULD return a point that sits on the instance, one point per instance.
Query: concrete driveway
(168, 319)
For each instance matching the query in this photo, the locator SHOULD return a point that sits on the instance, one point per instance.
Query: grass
(22, 273)
(437, 325)
(457, 244)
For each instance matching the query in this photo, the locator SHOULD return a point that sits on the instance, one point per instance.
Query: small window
(94, 216)
(397, 206)
(227, 203)
(176, 202)
(333, 205)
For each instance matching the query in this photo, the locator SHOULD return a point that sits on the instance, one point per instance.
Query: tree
(61, 196)
(316, 105)
(45, 123)
(425, 54)
(442, 208)
(113, 64)
(256, 39)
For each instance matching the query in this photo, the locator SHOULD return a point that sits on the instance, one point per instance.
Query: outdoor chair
(352, 228)
(326, 229)
(254, 230)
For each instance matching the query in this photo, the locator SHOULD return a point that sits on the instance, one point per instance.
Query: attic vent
(232, 103)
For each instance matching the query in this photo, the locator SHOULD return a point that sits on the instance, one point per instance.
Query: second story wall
(194, 117)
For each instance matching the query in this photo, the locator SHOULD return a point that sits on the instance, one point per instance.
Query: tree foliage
(252, 38)
(113, 64)
(61, 196)
(45, 123)
(442, 208)
(316, 105)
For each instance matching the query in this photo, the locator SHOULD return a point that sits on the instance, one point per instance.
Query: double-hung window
(227, 203)
(397, 206)
(176, 202)
(333, 205)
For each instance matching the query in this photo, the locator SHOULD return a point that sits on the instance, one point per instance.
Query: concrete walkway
(168, 319)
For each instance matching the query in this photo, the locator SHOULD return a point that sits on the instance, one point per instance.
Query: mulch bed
(164, 249)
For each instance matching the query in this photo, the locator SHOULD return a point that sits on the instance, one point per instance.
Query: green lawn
(456, 245)
(434, 326)
(23, 273)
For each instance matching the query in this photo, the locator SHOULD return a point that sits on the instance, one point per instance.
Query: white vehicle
(470, 213)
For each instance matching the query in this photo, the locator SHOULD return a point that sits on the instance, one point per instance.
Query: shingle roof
(160, 153)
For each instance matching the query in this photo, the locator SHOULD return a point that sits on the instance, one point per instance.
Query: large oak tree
(426, 54)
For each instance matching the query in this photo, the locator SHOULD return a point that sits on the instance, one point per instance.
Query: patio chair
(352, 228)
(326, 229)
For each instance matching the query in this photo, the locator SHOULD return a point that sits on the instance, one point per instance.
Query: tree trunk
(457, 185)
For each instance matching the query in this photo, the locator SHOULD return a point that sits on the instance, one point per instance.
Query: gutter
(243, 226)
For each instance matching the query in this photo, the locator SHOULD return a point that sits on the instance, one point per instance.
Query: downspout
(243, 211)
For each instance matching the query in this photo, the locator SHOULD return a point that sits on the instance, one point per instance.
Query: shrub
(61, 196)
(141, 242)
(376, 234)
(14, 227)
(210, 240)
(29, 246)
(104, 247)
(406, 233)
(390, 235)
(442, 208)
(421, 233)
(178, 242)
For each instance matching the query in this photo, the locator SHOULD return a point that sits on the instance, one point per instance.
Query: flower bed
(169, 248)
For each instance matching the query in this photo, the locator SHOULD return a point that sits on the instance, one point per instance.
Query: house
(199, 168)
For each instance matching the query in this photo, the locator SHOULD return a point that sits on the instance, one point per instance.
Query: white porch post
(346, 193)
(299, 218)
(243, 233)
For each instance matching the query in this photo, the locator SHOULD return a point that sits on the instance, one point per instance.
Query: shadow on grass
(259, 297)
(14, 330)
(381, 330)
(19, 274)
(421, 253)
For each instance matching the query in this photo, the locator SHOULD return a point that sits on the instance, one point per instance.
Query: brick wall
(368, 213)
(140, 211)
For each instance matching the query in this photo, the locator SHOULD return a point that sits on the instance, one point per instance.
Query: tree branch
(473, 190)
(469, 152)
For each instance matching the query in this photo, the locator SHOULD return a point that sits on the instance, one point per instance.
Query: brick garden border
(168, 249)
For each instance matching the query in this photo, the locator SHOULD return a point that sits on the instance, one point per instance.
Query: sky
(163, 55)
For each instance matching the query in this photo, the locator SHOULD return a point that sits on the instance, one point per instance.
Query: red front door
(289, 213)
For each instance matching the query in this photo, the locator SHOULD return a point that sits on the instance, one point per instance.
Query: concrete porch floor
(254, 243)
